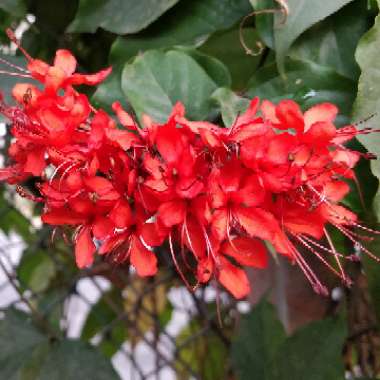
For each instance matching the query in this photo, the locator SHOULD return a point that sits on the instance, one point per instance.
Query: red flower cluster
(213, 195)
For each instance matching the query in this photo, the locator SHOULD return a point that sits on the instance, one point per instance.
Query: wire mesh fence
(150, 328)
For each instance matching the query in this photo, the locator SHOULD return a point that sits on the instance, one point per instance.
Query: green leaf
(110, 91)
(27, 354)
(121, 17)
(36, 270)
(307, 83)
(367, 102)
(15, 7)
(100, 316)
(259, 338)
(313, 353)
(155, 81)
(231, 105)
(302, 15)
(18, 340)
(332, 42)
(213, 67)
(12, 220)
(73, 360)
(226, 47)
(188, 23)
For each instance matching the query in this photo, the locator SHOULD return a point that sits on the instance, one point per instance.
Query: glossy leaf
(128, 16)
(214, 68)
(306, 83)
(226, 47)
(231, 105)
(314, 353)
(367, 102)
(189, 23)
(259, 338)
(15, 7)
(27, 354)
(66, 359)
(100, 316)
(36, 270)
(155, 81)
(18, 340)
(302, 15)
(332, 42)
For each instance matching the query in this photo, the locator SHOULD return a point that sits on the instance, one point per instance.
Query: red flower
(214, 194)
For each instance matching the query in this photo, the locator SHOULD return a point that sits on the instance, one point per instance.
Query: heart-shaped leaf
(155, 81)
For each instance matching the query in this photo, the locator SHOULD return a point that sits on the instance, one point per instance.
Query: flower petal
(84, 248)
(233, 279)
(172, 213)
(321, 112)
(142, 259)
(246, 251)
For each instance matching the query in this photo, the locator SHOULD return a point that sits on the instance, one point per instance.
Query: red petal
(169, 143)
(338, 214)
(65, 61)
(246, 251)
(35, 162)
(268, 110)
(62, 216)
(251, 194)
(124, 139)
(102, 227)
(84, 248)
(205, 269)
(336, 190)
(172, 213)
(91, 79)
(282, 244)
(249, 114)
(321, 112)
(124, 117)
(257, 222)
(320, 133)
(290, 116)
(121, 215)
(194, 238)
(38, 69)
(21, 89)
(219, 224)
(142, 259)
(233, 279)
(153, 234)
(301, 221)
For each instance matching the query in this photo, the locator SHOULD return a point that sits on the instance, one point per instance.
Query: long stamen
(322, 247)
(171, 248)
(13, 74)
(331, 244)
(310, 275)
(322, 259)
(183, 232)
(347, 233)
(13, 38)
(10, 64)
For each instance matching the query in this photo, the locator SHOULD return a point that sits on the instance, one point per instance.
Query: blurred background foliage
(213, 55)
